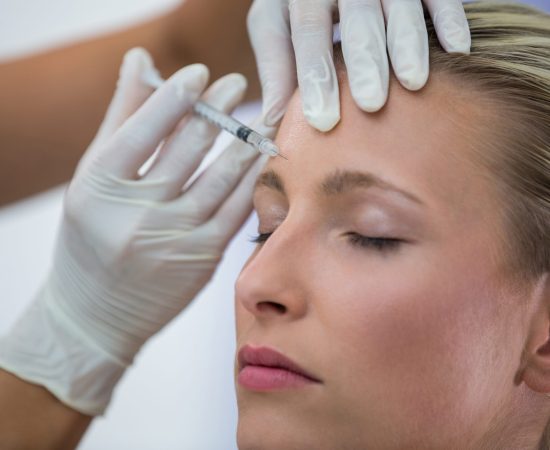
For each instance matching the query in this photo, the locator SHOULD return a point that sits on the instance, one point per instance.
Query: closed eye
(377, 243)
(356, 239)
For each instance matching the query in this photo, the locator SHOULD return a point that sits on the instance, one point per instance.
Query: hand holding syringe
(135, 247)
(223, 121)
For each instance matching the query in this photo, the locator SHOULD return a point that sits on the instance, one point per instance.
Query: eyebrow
(337, 183)
(272, 180)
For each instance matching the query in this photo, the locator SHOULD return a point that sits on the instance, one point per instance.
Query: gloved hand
(133, 251)
(295, 36)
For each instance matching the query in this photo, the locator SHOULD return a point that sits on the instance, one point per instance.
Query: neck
(522, 424)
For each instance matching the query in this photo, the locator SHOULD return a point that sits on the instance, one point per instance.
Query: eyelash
(377, 243)
(260, 238)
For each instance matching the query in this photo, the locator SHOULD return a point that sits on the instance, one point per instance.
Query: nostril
(271, 306)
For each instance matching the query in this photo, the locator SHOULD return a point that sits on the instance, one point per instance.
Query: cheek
(424, 332)
(244, 319)
(242, 316)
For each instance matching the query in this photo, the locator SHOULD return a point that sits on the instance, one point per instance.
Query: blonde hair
(510, 63)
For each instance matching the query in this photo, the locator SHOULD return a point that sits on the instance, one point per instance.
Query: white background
(179, 394)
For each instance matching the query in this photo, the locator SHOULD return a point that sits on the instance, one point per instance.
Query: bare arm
(52, 104)
(32, 418)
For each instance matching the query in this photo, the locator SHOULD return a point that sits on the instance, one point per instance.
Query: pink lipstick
(264, 369)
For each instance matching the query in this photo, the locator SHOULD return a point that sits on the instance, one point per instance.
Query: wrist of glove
(46, 348)
(134, 248)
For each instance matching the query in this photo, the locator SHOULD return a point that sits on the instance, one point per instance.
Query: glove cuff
(46, 349)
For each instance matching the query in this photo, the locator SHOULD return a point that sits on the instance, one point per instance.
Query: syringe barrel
(221, 120)
(236, 128)
(217, 118)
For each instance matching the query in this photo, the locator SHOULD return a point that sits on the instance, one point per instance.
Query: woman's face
(414, 336)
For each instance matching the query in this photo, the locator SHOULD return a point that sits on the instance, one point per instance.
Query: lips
(262, 368)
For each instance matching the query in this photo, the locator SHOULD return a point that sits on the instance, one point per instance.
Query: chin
(269, 430)
(279, 431)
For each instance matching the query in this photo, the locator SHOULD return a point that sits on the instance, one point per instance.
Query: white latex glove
(292, 37)
(133, 251)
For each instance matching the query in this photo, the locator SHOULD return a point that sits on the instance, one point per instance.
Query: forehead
(423, 142)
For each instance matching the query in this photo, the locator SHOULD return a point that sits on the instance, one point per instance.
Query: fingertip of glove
(323, 120)
(237, 80)
(412, 85)
(371, 104)
(136, 59)
(196, 71)
(453, 31)
(456, 40)
(370, 95)
(139, 53)
(226, 92)
(459, 47)
(192, 78)
(413, 80)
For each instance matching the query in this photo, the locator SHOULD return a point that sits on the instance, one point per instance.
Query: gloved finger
(184, 150)
(230, 217)
(130, 93)
(135, 141)
(269, 31)
(364, 48)
(213, 186)
(311, 26)
(450, 24)
(407, 42)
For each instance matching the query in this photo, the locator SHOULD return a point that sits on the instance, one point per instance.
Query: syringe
(223, 121)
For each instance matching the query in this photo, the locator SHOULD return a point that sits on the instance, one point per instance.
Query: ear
(536, 353)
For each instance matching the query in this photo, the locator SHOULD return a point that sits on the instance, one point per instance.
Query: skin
(425, 345)
(32, 418)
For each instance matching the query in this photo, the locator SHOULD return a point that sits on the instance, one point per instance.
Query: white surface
(179, 394)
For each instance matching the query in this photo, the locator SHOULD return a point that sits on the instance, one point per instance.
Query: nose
(273, 283)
